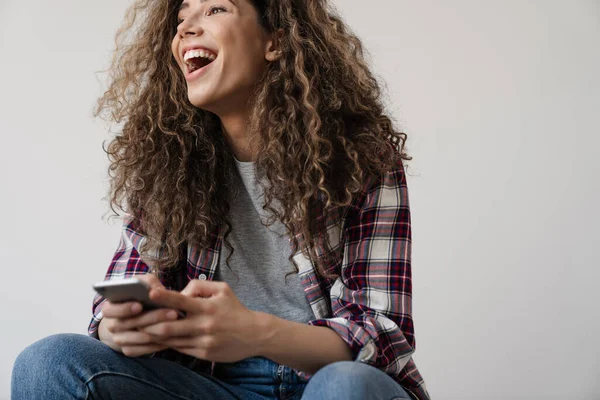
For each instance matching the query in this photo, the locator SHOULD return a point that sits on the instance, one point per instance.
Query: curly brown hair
(317, 120)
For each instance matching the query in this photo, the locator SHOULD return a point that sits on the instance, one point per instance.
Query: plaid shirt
(369, 306)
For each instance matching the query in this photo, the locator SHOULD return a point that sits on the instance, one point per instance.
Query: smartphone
(124, 290)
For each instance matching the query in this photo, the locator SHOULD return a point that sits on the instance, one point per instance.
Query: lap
(78, 366)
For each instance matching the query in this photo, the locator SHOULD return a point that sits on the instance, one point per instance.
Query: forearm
(303, 347)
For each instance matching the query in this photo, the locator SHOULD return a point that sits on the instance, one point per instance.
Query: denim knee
(47, 351)
(354, 377)
(43, 360)
(352, 380)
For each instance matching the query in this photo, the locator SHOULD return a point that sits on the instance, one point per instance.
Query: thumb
(200, 288)
(152, 280)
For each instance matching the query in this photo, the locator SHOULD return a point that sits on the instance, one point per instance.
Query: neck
(235, 129)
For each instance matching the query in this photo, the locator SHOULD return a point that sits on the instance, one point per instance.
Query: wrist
(265, 331)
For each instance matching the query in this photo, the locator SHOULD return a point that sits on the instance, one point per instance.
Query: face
(222, 50)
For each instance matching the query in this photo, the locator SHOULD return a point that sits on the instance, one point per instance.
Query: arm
(302, 347)
(372, 300)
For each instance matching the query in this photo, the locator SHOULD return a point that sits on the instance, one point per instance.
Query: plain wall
(500, 100)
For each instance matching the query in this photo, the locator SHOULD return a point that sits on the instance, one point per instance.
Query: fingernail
(137, 307)
(172, 314)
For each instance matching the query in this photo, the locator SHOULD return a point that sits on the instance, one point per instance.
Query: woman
(264, 195)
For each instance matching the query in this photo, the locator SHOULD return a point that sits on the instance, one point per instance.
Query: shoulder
(131, 231)
(387, 189)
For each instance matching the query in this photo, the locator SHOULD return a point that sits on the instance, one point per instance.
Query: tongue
(200, 62)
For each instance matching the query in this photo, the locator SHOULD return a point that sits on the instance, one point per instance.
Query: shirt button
(202, 277)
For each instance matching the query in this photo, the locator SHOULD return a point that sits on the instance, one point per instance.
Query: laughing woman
(264, 194)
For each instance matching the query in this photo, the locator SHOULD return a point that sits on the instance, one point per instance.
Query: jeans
(72, 366)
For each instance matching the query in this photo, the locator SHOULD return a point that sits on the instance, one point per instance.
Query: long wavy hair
(317, 121)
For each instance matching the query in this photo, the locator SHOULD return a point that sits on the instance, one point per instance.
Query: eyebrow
(185, 5)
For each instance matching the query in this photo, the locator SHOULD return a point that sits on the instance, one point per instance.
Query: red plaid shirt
(369, 306)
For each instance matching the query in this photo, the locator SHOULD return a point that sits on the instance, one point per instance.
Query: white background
(501, 102)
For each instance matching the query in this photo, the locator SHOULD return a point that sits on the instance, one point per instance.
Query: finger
(180, 328)
(180, 342)
(121, 310)
(145, 319)
(150, 279)
(199, 288)
(138, 351)
(133, 338)
(176, 300)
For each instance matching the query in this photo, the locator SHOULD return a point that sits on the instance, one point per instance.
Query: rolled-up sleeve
(126, 262)
(371, 301)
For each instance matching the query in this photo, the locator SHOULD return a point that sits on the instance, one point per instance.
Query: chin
(200, 102)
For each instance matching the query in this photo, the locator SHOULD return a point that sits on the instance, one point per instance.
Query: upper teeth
(198, 53)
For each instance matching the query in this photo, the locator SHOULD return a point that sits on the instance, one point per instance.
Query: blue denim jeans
(71, 366)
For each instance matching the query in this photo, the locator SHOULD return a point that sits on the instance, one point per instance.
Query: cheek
(244, 55)
(247, 64)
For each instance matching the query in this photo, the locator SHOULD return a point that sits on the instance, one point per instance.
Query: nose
(189, 28)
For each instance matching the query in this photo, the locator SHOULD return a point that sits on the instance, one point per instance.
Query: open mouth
(197, 63)
(197, 59)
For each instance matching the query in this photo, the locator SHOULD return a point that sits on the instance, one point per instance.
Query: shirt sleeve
(125, 263)
(372, 299)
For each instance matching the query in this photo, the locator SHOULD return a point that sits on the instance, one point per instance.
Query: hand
(121, 323)
(218, 327)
